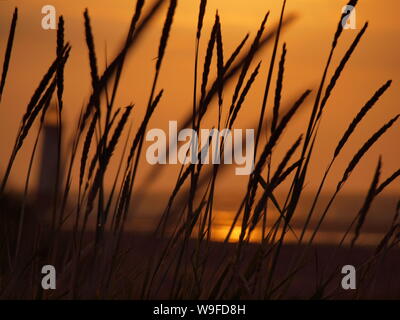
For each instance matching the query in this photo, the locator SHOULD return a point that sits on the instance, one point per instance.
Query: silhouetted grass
(177, 262)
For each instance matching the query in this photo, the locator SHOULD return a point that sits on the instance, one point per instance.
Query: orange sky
(308, 40)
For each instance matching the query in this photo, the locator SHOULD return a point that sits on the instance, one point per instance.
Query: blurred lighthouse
(46, 187)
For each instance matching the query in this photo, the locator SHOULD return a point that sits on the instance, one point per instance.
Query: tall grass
(177, 262)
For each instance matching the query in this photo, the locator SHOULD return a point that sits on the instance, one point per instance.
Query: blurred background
(308, 40)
